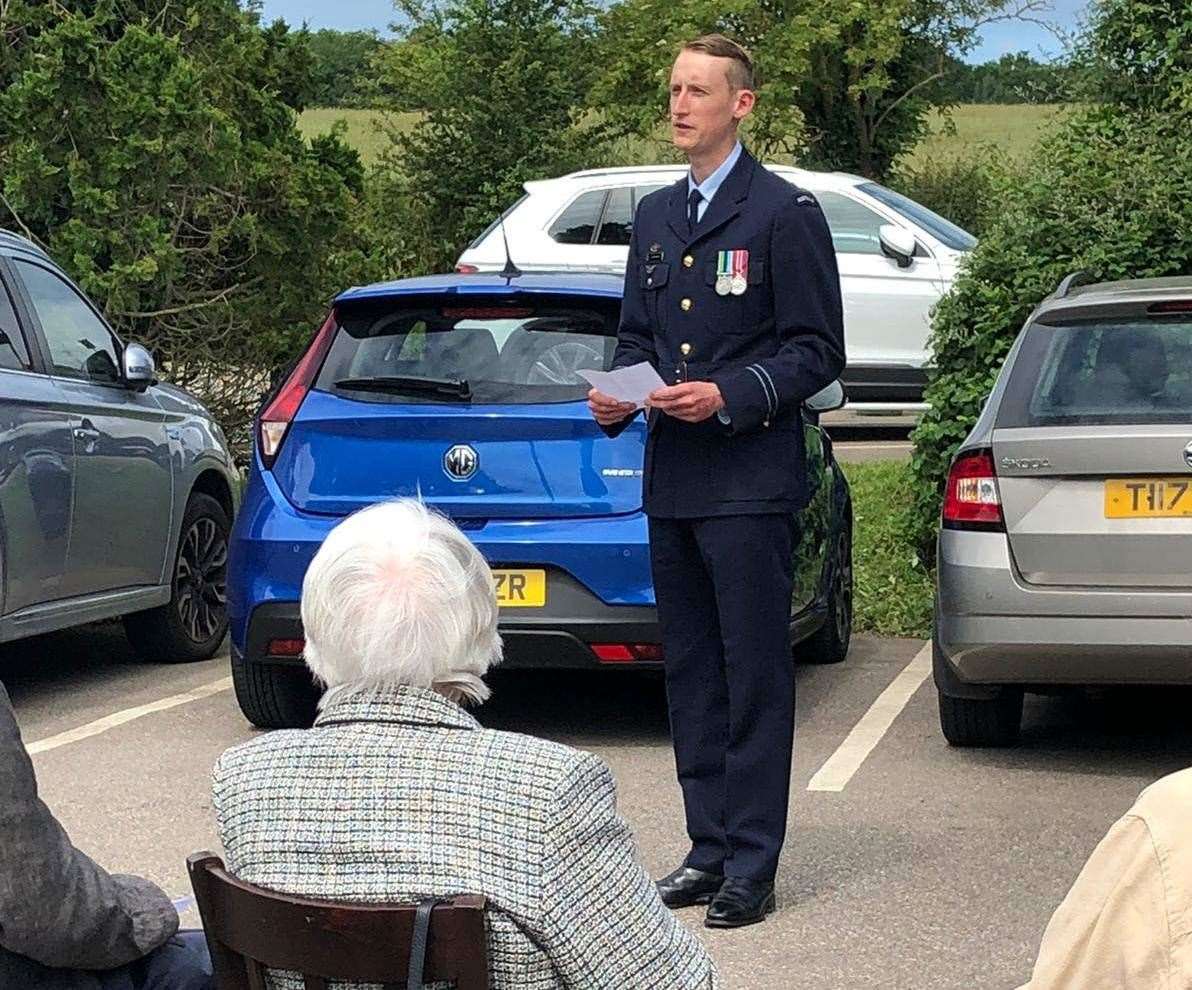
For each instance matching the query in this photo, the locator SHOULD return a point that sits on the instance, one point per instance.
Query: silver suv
(116, 493)
(1065, 552)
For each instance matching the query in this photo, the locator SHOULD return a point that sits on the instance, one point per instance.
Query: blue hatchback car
(462, 389)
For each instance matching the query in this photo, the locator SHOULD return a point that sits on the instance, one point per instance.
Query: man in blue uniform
(732, 294)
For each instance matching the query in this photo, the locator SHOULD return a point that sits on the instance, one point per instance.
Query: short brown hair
(741, 74)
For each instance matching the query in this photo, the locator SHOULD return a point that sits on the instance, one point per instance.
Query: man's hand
(607, 410)
(692, 402)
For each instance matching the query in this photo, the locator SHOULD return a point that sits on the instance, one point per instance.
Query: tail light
(1170, 307)
(971, 500)
(626, 652)
(467, 269)
(277, 416)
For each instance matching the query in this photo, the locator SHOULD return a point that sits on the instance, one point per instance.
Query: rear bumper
(992, 628)
(559, 635)
(898, 384)
(607, 558)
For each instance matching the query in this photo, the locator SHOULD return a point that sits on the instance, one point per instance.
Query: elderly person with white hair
(397, 793)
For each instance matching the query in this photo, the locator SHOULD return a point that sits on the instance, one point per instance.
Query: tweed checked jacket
(398, 794)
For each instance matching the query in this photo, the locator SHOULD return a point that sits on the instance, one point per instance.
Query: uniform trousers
(723, 586)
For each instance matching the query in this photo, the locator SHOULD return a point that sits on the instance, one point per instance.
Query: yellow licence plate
(520, 589)
(1148, 498)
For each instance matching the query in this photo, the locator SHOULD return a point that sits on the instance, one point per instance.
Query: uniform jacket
(57, 907)
(767, 350)
(399, 794)
(1126, 924)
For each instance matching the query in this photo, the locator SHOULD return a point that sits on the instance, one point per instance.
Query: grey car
(1065, 551)
(116, 493)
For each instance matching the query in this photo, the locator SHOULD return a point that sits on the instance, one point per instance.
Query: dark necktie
(693, 201)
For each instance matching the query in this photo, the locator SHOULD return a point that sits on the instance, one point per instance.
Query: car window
(641, 192)
(81, 346)
(13, 352)
(508, 353)
(1101, 372)
(577, 223)
(616, 225)
(854, 227)
(493, 226)
(944, 231)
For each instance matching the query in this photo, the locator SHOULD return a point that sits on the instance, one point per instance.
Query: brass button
(685, 305)
(685, 349)
(688, 261)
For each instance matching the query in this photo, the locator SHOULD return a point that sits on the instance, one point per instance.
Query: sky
(996, 39)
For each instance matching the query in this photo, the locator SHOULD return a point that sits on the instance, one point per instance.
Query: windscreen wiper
(455, 388)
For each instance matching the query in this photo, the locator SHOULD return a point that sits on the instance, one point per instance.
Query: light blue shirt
(708, 187)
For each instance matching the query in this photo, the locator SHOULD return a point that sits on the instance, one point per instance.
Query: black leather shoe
(740, 902)
(686, 887)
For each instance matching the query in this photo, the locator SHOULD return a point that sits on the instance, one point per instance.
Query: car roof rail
(10, 239)
(1070, 282)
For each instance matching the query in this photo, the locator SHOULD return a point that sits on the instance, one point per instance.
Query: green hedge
(963, 188)
(892, 589)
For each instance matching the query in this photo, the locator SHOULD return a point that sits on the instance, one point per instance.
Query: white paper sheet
(632, 384)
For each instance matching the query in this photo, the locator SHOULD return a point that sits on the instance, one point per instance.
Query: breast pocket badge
(732, 269)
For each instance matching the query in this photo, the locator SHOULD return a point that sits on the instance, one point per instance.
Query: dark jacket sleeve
(56, 905)
(635, 336)
(808, 317)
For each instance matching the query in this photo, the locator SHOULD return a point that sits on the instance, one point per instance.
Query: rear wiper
(457, 388)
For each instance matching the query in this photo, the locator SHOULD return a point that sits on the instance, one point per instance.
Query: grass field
(1015, 129)
(366, 128)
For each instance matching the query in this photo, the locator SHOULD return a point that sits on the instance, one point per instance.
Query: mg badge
(460, 462)
(1188, 455)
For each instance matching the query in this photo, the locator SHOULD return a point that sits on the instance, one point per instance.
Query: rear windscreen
(1101, 372)
(528, 352)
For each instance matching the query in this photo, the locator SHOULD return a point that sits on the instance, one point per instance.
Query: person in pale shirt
(1126, 924)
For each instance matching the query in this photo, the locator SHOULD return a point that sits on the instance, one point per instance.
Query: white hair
(398, 595)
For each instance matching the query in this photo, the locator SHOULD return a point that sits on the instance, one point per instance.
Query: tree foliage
(843, 86)
(342, 68)
(1016, 77)
(502, 84)
(1110, 193)
(151, 147)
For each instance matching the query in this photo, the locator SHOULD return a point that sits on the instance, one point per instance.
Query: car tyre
(274, 695)
(831, 642)
(981, 721)
(194, 622)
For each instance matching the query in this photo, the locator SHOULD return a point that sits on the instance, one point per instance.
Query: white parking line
(128, 715)
(867, 733)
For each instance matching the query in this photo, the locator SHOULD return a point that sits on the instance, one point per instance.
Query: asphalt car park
(911, 865)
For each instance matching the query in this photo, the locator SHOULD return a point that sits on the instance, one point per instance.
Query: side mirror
(827, 399)
(139, 372)
(897, 243)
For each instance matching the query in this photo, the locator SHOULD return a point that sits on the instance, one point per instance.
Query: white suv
(896, 259)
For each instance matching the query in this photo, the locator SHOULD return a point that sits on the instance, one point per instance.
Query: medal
(724, 273)
(740, 270)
